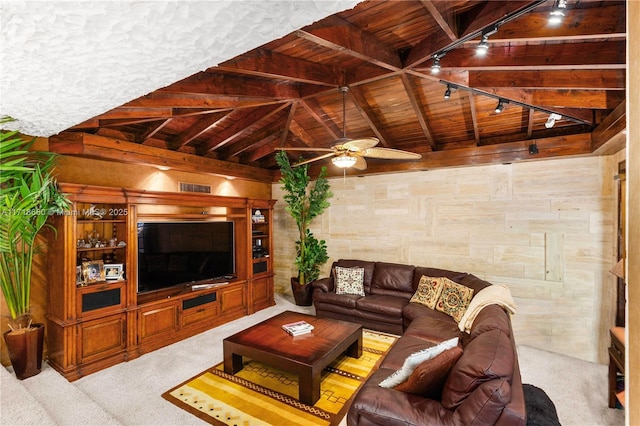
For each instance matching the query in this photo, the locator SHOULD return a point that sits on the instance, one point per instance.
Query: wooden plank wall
(546, 229)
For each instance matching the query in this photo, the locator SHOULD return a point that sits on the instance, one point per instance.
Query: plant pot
(302, 294)
(25, 350)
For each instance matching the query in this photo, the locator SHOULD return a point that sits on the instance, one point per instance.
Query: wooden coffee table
(305, 355)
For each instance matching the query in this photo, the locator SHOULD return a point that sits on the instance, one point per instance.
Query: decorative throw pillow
(414, 360)
(349, 280)
(454, 299)
(428, 378)
(428, 291)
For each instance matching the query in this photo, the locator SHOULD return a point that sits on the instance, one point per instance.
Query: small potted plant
(28, 196)
(304, 203)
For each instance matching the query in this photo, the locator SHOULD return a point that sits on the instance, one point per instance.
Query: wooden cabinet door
(232, 299)
(102, 337)
(262, 293)
(157, 320)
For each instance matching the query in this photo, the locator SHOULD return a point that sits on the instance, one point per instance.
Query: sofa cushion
(454, 299)
(489, 356)
(491, 317)
(428, 378)
(404, 347)
(415, 359)
(433, 329)
(387, 305)
(346, 300)
(428, 291)
(351, 263)
(412, 311)
(349, 280)
(393, 279)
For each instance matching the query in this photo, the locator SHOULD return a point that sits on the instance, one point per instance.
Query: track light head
(557, 13)
(447, 93)
(483, 46)
(500, 106)
(533, 149)
(551, 121)
(435, 67)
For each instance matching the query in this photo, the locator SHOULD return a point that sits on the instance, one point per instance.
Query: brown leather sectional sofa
(482, 388)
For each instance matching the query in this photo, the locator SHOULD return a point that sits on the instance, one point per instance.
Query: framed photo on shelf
(93, 271)
(113, 271)
(79, 277)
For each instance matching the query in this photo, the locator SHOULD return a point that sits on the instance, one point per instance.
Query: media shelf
(97, 317)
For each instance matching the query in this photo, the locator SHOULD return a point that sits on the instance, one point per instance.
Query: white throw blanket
(493, 294)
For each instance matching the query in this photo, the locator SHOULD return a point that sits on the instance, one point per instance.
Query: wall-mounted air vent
(195, 187)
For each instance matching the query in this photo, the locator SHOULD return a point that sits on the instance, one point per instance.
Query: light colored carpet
(130, 393)
(579, 389)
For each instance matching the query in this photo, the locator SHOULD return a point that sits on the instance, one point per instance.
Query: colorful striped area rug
(262, 395)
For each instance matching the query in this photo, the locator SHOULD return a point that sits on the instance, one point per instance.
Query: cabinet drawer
(201, 313)
(157, 320)
(101, 337)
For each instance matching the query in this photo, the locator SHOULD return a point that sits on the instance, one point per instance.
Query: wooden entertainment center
(96, 320)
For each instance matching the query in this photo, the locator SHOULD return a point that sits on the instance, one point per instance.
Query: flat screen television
(177, 253)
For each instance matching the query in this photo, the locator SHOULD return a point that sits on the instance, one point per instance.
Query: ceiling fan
(351, 152)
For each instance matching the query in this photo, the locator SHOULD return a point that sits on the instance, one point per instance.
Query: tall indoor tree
(305, 201)
(29, 194)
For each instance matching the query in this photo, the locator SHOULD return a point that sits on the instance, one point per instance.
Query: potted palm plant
(304, 202)
(28, 196)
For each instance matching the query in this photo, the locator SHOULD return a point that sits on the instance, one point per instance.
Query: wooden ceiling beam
(441, 13)
(361, 103)
(215, 83)
(267, 64)
(562, 98)
(410, 90)
(578, 79)
(177, 100)
(253, 140)
(151, 130)
(598, 55)
(337, 34)
(198, 129)
(299, 133)
(244, 122)
(610, 127)
(102, 148)
(607, 21)
(312, 107)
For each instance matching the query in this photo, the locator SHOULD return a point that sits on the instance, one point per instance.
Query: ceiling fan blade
(360, 144)
(390, 154)
(305, 149)
(361, 163)
(320, 157)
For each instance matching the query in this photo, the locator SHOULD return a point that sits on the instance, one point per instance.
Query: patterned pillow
(349, 280)
(454, 299)
(428, 291)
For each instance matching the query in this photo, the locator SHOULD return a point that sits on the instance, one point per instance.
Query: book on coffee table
(297, 328)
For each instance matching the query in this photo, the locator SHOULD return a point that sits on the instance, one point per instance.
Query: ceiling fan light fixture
(344, 161)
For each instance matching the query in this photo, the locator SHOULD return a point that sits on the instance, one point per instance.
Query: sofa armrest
(323, 284)
(387, 407)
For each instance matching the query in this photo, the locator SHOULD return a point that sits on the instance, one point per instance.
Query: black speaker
(197, 301)
(100, 299)
(259, 267)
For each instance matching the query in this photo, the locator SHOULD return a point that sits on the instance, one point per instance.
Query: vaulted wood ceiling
(233, 117)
